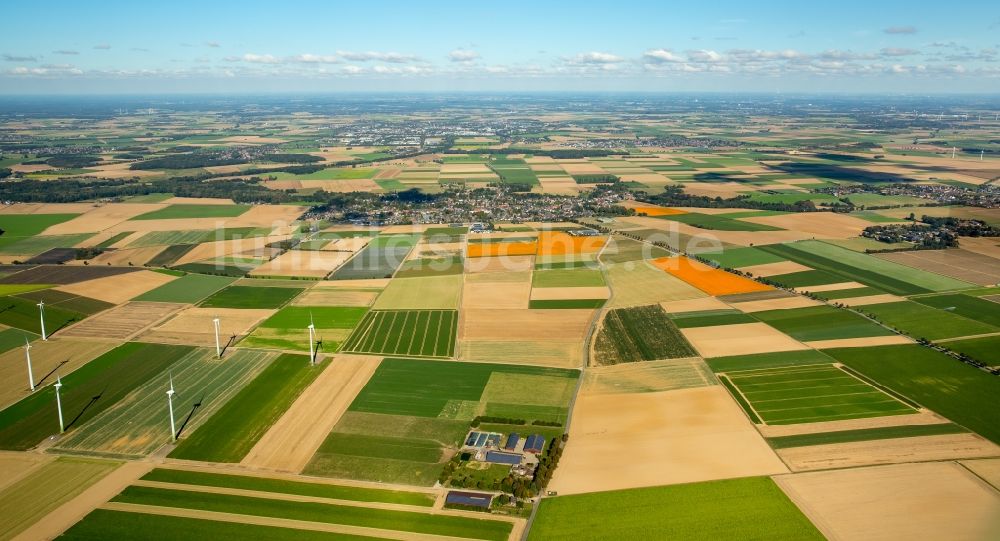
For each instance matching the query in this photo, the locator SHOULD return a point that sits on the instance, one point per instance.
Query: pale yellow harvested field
(431, 292)
(223, 248)
(120, 287)
(99, 218)
(922, 417)
(252, 139)
(30, 168)
(647, 377)
(120, 170)
(783, 303)
(60, 353)
(694, 305)
(560, 293)
(582, 168)
(622, 441)
(16, 465)
(821, 224)
(636, 282)
(717, 189)
(342, 186)
(456, 168)
(194, 325)
(893, 451)
(907, 501)
(46, 208)
(555, 353)
(352, 244)
(987, 468)
(860, 342)
(405, 229)
(840, 286)
(328, 296)
(710, 240)
(436, 249)
(305, 263)
(526, 324)
(257, 216)
(774, 269)
(496, 295)
(124, 321)
(870, 299)
(373, 283)
(292, 441)
(198, 201)
(741, 339)
(490, 265)
(982, 245)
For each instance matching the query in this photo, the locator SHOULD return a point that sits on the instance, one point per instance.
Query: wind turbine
(58, 385)
(953, 152)
(27, 355)
(170, 403)
(218, 348)
(981, 152)
(312, 334)
(41, 316)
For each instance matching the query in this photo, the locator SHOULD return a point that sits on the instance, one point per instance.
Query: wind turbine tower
(58, 386)
(170, 404)
(218, 347)
(312, 334)
(27, 356)
(41, 316)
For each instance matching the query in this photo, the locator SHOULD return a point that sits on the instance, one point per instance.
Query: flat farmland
(750, 508)
(640, 333)
(135, 425)
(188, 211)
(922, 321)
(119, 288)
(821, 323)
(967, 306)
(18, 227)
(567, 278)
(809, 394)
(320, 295)
(412, 415)
(302, 264)
(195, 326)
(739, 339)
(62, 274)
(527, 336)
(424, 333)
(427, 293)
(190, 288)
(287, 328)
(42, 491)
(239, 424)
(124, 321)
(237, 296)
(955, 390)
(88, 391)
(23, 314)
(379, 259)
(638, 282)
(708, 279)
(957, 263)
(60, 355)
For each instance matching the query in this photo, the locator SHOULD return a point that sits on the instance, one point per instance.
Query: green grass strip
(740, 400)
(864, 434)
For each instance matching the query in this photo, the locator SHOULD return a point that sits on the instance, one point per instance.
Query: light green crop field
(428, 293)
(190, 288)
(567, 278)
(821, 323)
(421, 333)
(814, 393)
(18, 227)
(43, 490)
(749, 508)
(922, 321)
(186, 211)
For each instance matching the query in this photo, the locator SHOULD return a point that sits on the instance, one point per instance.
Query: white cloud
(897, 51)
(595, 57)
(704, 55)
(392, 57)
(463, 55)
(317, 59)
(661, 55)
(260, 59)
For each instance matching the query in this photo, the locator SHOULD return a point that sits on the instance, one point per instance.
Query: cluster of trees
(596, 179)
(71, 161)
(191, 160)
(559, 153)
(547, 463)
(290, 157)
(674, 196)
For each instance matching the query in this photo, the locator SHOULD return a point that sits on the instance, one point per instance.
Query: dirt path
(293, 440)
(71, 512)
(278, 522)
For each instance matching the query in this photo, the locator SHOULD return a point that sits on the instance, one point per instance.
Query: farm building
(512, 441)
(475, 499)
(584, 233)
(478, 440)
(534, 444)
(498, 457)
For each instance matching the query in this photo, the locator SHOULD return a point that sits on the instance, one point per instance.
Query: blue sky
(215, 46)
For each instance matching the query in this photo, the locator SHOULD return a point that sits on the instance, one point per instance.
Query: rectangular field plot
(135, 425)
(287, 328)
(815, 393)
(640, 333)
(124, 321)
(422, 333)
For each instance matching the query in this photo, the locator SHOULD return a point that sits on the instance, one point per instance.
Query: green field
(135, 427)
(24, 314)
(86, 392)
(814, 393)
(821, 323)
(981, 310)
(286, 329)
(431, 266)
(424, 293)
(687, 321)
(170, 254)
(417, 522)
(953, 389)
(190, 288)
(36, 245)
(640, 333)
(18, 227)
(424, 333)
(864, 434)
(869, 270)
(106, 524)
(380, 259)
(749, 508)
(66, 301)
(251, 297)
(230, 434)
(622, 249)
(981, 349)
(567, 278)
(768, 360)
(720, 223)
(922, 321)
(187, 212)
(804, 279)
(33, 497)
(566, 304)
(285, 486)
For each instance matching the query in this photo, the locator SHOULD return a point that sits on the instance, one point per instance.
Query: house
(534, 444)
(512, 442)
